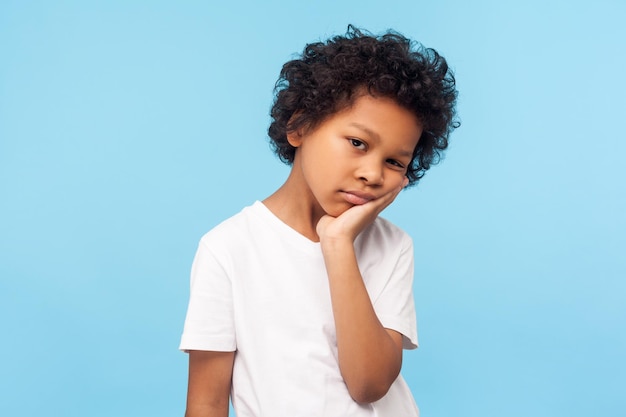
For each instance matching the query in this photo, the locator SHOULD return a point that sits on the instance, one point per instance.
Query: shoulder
(383, 239)
(235, 224)
(224, 244)
(384, 232)
(232, 231)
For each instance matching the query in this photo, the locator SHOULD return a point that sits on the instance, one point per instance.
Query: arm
(370, 356)
(210, 376)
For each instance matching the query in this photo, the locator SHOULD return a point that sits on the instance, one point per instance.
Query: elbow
(366, 393)
(368, 381)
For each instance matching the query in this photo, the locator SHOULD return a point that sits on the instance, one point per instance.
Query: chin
(337, 210)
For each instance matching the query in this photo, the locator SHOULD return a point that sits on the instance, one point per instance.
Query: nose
(370, 172)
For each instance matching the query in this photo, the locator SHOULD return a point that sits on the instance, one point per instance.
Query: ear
(294, 138)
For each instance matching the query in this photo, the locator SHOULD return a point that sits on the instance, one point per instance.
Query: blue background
(130, 128)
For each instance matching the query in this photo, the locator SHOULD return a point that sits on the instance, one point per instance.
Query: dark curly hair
(328, 77)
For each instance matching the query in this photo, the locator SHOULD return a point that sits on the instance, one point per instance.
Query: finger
(322, 223)
(378, 205)
(388, 198)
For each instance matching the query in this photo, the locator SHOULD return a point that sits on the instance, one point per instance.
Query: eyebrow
(403, 152)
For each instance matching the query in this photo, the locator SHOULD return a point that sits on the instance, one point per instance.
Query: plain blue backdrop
(130, 128)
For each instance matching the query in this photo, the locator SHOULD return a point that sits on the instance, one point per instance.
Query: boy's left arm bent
(370, 356)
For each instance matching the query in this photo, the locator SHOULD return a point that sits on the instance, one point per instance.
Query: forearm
(210, 376)
(215, 410)
(369, 358)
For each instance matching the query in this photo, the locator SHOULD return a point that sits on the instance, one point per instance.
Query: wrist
(333, 244)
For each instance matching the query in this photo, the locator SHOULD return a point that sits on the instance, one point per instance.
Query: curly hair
(328, 77)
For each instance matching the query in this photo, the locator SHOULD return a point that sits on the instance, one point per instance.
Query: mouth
(357, 198)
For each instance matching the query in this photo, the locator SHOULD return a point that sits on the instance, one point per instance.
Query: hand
(350, 223)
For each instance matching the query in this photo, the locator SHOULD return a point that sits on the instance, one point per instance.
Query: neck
(295, 206)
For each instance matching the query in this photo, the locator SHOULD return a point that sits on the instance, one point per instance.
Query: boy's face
(356, 155)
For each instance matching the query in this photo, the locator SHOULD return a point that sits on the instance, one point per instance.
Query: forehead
(382, 118)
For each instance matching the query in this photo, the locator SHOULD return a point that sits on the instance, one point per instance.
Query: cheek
(395, 179)
(328, 163)
(320, 170)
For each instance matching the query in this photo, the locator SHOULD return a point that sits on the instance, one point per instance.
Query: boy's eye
(357, 143)
(395, 163)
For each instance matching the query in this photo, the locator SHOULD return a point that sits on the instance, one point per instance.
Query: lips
(357, 198)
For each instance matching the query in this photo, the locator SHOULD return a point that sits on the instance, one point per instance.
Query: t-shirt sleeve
(209, 324)
(395, 306)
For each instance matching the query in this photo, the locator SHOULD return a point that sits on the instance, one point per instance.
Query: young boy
(301, 304)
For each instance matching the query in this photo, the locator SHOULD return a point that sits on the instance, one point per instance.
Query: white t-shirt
(260, 288)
